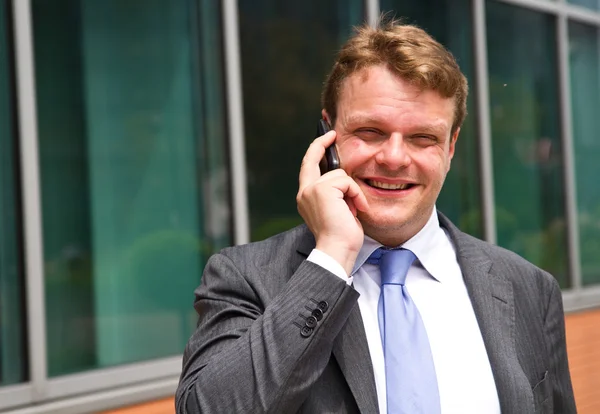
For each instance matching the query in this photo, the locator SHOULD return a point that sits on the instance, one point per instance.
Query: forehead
(377, 94)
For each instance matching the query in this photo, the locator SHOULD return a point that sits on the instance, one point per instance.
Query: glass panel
(592, 4)
(287, 50)
(451, 24)
(526, 136)
(134, 176)
(13, 354)
(584, 56)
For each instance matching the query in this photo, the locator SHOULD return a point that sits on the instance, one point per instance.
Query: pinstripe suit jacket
(253, 353)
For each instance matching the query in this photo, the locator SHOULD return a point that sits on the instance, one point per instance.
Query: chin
(393, 227)
(384, 223)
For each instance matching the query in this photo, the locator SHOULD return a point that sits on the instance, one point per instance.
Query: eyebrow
(435, 128)
(363, 119)
(431, 128)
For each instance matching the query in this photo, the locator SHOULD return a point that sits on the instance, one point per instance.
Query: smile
(388, 186)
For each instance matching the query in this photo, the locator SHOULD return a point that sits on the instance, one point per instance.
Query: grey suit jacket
(254, 353)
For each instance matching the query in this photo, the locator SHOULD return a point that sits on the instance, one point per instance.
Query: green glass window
(12, 304)
(450, 23)
(287, 49)
(526, 141)
(584, 59)
(134, 177)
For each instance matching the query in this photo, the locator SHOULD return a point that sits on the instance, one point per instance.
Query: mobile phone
(331, 160)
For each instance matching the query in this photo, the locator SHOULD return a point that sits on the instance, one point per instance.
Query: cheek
(435, 166)
(353, 152)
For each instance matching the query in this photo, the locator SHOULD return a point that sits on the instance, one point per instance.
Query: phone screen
(331, 160)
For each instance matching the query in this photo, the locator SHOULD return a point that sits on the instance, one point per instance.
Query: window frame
(576, 297)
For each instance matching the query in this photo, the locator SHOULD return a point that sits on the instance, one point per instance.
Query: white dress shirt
(435, 283)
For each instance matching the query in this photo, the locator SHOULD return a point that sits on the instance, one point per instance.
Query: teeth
(388, 186)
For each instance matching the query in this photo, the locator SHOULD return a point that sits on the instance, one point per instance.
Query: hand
(329, 204)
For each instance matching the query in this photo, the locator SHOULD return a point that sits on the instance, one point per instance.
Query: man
(307, 320)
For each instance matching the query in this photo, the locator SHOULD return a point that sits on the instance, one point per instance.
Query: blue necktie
(411, 383)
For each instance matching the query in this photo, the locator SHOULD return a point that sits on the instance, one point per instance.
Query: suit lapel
(350, 348)
(493, 303)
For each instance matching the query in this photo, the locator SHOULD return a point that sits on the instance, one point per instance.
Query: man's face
(395, 142)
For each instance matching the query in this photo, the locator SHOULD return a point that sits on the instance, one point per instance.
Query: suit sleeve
(248, 357)
(554, 325)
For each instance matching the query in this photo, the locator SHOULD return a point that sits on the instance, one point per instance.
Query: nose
(393, 152)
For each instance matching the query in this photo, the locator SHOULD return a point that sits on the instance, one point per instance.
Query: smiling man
(378, 303)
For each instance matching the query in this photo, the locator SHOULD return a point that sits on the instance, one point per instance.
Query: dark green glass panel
(287, 50)
(526, 140)
(133, 173)
(584, 59)
(13, 353)
(590, 4)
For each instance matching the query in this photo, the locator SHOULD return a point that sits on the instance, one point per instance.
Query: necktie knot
(393, 264)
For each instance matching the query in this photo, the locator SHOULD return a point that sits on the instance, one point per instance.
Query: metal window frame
(105, 400)
(133, 380)
(118, 376)
(235, 112)
(571, 210)
(372, 11)
(559, 8)
(15, 395)
(484, 126)
(31, 202)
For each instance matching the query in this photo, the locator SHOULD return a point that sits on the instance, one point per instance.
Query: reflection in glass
(584, 57)
(526, 143)
(450, 22)
(133, 173)
(287, 50)
(13, 368)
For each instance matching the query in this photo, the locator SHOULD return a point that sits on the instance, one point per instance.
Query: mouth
(380, 185)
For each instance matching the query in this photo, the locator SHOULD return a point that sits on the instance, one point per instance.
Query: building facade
(137, 137)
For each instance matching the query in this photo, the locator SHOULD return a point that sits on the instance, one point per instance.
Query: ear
(326, 117)
(452, 147)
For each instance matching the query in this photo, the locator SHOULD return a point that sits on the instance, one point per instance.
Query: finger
(351, 190)
(309, 171)
(316, 150)
(356, 195)
(351, 205)
(327, 137)
(338, 172)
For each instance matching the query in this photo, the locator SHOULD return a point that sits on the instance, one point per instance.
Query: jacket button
(311, 322)
(306, 331)
(323, 305)
(317, 313)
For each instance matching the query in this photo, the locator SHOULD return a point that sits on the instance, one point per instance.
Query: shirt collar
(426, 245)
(368, 247)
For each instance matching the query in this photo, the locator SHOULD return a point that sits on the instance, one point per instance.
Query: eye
(424, 139)
(368, 133)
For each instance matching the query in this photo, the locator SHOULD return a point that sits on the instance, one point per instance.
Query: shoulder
(259, 267)
(504, 263)
(281, 248)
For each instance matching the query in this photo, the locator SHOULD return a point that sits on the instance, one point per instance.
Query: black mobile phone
(331, 160)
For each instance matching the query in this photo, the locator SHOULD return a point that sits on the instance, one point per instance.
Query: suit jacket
(254, 350)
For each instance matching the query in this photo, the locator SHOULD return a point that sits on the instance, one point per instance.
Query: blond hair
(408, 52)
